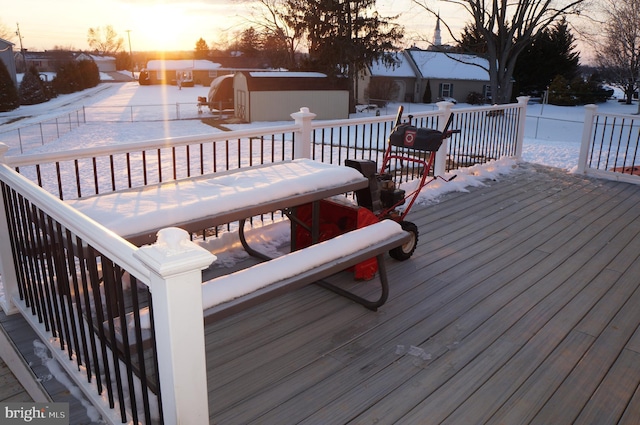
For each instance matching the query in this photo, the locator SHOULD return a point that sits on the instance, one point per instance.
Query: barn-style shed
(274, 95)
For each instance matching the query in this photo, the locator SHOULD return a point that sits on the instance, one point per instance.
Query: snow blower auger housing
(407, 144)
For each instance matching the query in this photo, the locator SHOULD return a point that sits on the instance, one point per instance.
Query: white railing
(42, 230)
(486, 133)
(62, 287)
(610, 146)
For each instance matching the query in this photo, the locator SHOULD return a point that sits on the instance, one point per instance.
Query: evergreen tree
(550, 54)
(202, 50)
(249, 43)
(32, 90)
(471, 41)
(88, 74)
(275, 50)
(427, 97)
(9, 99)
(344, 36)
(75, 76)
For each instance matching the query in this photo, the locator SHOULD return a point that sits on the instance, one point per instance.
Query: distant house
(188, 71)
(403, 73)
(275, 95)
(6, 56)
(104, 63)
(448, 75)
(47, 61)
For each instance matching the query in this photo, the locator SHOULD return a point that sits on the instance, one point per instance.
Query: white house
(448, 75)
(403, 73)
(189, 71)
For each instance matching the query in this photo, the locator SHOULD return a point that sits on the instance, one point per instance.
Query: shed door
(241, 105)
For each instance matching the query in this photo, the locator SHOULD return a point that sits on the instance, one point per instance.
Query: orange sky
(156, 25)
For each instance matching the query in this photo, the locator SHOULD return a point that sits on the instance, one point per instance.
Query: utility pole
(130, 54)
(24, 57)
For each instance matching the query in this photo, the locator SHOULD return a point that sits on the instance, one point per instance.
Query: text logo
(34, 413)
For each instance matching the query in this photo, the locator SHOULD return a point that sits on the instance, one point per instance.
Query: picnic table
(224, 197)
(211, 200)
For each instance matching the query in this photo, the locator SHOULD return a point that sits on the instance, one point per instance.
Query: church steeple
(437, 40)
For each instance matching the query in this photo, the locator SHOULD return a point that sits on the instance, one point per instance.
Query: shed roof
(292, 81)
(450, 66)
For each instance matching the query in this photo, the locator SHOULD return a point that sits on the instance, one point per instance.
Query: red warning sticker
(409, 137)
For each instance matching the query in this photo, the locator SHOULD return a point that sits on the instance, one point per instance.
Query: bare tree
(508, 28)
(619, 53)
(268, 19)
(6, 33)
(104, 40)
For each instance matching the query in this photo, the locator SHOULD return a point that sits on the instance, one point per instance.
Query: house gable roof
(449, 66)
(402, 68)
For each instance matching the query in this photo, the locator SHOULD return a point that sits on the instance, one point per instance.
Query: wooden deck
(520, 306)
(11, 391)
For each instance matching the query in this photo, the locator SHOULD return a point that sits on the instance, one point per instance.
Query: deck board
(10, 389)
(499, 297)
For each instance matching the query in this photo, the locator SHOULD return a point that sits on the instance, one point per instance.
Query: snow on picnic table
(130, 212)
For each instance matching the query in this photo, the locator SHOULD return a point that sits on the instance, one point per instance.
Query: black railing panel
(614, 144)
(98, 313)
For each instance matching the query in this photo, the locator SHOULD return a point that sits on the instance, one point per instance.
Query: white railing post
(176, 266)
(302, 147)
(440, 166)
(589, 114)
(7, 270)
(522, 118)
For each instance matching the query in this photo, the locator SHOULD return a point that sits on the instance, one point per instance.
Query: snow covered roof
(273, 74)
(192, 64)
(450, 66)
(97, 58)
(402, 68)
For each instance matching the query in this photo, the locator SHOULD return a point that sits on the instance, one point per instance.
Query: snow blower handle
(398, 120)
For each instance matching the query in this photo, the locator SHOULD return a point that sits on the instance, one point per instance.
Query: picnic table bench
(207, 201)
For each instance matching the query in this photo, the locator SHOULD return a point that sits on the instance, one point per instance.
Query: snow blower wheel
(405, 251)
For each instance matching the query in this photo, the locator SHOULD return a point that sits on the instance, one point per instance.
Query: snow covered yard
(552, 133)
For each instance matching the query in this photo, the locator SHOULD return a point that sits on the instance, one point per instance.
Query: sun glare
(160, 28)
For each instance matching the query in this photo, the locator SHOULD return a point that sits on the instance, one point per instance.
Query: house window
(486, 92)
(446, 90)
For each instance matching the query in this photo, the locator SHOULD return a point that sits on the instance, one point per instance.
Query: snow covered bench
(234, 292)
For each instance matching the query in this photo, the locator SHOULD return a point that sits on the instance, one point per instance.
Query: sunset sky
(161, 25)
